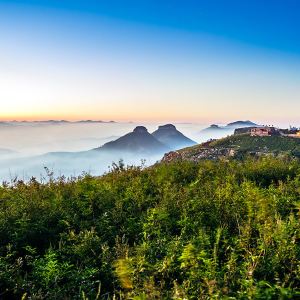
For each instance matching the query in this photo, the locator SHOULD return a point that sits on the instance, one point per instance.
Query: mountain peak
(170, 136)
(137, 141)
(167, 127)
(140, 129)
(241, 124)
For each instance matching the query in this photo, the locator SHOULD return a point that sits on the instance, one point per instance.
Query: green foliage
(212, 230)
(245, 142)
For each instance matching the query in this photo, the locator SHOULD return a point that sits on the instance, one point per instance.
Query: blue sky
(150, 60)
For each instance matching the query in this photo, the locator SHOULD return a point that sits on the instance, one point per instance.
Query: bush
(212, 230)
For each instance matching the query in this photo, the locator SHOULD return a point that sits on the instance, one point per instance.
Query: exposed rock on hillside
(238, 146)
(201, 153)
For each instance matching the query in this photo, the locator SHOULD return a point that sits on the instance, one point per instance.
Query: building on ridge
(263, 131)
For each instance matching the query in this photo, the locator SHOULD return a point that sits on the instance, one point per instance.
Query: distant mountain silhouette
(4, 123)
(213, 127)
(171, 137)
(138, 141)
(94, 121)
(239, 124)
(52, 122)
(217, 131)
(229, 126)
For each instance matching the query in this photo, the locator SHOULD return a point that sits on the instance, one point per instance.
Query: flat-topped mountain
(171, 137)
(137, 141)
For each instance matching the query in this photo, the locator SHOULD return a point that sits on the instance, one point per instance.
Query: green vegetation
(207, 230)
(245, 142)
(242, 146)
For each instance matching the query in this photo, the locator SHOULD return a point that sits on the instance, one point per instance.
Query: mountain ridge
(139, 140)
(164, 139)
(170, 136)
(236, 146)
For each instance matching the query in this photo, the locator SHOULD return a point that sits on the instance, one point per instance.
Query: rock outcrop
(199, 154)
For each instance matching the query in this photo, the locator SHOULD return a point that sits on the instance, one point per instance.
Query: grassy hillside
(248, 143)
(212, 230)
(239, 146)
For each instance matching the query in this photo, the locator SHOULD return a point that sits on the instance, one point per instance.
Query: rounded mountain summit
(170, 136)
(164, 139)
(137, 141)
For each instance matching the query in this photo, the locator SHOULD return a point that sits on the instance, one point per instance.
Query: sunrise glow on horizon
(150, 61)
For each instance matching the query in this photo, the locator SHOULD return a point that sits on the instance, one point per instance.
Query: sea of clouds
(27, 148)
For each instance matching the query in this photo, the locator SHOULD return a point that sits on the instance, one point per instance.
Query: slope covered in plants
(246, 142)
(183, 230)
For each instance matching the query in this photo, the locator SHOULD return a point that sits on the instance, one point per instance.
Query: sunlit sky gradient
(190, 61)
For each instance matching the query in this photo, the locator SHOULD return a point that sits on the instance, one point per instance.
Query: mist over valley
(68, 148)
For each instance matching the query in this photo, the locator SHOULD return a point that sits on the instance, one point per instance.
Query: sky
(134, 60)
